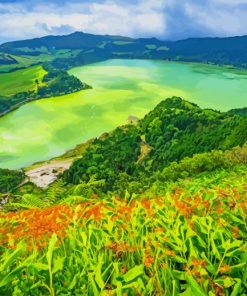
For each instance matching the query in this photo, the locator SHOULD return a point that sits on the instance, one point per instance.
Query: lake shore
(44, 129)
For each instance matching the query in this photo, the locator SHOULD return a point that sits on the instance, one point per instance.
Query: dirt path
(47, 173)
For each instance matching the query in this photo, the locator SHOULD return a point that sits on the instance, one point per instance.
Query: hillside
(35, 82)
(131, 155)
(188, 240)
(81, 48)
(157, 207)
(174, 140)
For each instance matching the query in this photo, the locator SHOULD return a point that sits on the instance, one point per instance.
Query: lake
(46, 128)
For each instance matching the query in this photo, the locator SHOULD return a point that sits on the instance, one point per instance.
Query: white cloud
(145, 18)
(136, 18)
(218, 20)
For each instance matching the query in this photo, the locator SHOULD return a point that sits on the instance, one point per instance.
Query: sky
(163, 19)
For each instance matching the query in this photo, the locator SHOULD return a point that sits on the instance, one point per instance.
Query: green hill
(175, 129)
(81, 48)
(35, 82)
(152, 208)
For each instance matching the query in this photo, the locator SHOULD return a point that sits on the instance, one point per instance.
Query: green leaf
(132, 273)
(228, 282)
(237, 287)
(215, 251)
(209, 266)
(195, 288)
(51, 247)
(119, 288)
(238, 267)
(94, 286)
(58, 264)
(74, 281)
(227, 245)
(10, 258)
(15, 272)
(40, 266)
(98, 275)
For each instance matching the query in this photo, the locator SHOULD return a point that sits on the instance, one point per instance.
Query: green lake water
(47, 128)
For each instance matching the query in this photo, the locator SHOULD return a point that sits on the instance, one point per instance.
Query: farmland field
(21, 80)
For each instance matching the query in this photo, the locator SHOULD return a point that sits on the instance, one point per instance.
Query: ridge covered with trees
(136, 155)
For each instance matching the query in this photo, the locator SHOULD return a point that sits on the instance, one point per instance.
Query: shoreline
(19, 105)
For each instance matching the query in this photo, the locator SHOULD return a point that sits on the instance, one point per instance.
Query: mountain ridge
(236, 37)
(79, 48)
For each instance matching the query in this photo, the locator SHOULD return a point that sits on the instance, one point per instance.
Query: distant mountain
(82, 48)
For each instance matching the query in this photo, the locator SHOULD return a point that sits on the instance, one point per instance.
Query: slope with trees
(175, 129)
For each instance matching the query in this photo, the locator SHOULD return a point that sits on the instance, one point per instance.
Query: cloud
(145, 19)
(165, 19)
(217, 18)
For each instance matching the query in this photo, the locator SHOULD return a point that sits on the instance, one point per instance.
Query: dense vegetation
(188, 240)
(54, 82)
(241, 111)
(181, 232)
(10, 179)
(80, 48)
(131, 155)
(58, 83)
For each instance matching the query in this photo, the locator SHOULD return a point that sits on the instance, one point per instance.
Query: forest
(175, 129)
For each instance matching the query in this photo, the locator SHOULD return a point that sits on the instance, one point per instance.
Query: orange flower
(146, 203)
(225, 268)
(235, 231)
(220, 210)
(197, 263)
(148, 260)
(169, 252)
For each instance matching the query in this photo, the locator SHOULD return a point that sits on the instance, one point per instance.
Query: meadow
(21, 80)
(188, 240)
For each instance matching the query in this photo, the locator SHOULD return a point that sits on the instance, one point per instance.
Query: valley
(120, 88)
(123, 166)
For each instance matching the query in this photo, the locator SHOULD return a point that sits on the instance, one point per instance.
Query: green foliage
(135, 157)
(106, 158)
(176, 129)
(54, 82)
(190, 240)
(204, 163)
(10, 179)
(242, 111)
(36, 199)
(59, 83)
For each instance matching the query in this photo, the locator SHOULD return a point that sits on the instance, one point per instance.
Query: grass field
(20, 80)
(190, 241)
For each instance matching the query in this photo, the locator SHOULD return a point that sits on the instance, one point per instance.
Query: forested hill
(81, 48)
(133, 156)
